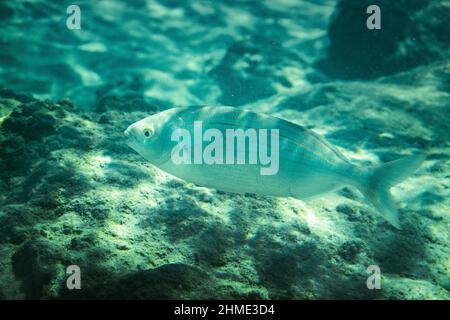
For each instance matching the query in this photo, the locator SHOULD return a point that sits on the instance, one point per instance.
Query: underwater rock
(412, 33)
(73, 193)
(413, 289)
(35, 129)
(170, 281)
(36, 264)
(10, 94)
(14, 224)
(392, 113)
(126, 103)
(81, 243)
(312, 98)
(31, 121)
(78, 195)
(249, 72)
(212, 245)
(242, 74)
(350, 250)
(349, 211)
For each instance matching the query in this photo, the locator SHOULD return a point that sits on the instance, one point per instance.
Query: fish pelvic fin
(378, 181)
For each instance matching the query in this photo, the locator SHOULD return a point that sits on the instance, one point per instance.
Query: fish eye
(148, 132)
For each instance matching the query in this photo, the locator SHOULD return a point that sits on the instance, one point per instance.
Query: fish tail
(379, 180)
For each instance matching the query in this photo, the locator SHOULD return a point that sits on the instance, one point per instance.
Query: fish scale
(308, 164)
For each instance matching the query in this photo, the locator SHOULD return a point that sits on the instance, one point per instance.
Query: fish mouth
(128, 137)
(126, 133)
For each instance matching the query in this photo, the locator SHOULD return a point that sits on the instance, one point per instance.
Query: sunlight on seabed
(315, 222)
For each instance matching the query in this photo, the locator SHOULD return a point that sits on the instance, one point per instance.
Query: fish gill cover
(72, 193)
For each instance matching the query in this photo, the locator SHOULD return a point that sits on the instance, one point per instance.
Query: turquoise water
(73, 193)
(173, 53)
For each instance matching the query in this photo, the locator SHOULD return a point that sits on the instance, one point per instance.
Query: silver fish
(308, 164)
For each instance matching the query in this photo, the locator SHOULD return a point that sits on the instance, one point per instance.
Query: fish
(308, 165)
